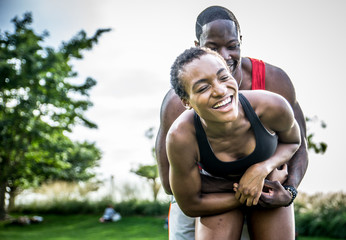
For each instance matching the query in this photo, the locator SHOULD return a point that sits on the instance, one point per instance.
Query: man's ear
(196, 43)
(186, 104)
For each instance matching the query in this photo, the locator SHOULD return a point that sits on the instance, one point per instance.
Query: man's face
(222, 36)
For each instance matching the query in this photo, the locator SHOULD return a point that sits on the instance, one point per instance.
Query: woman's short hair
(181, 61)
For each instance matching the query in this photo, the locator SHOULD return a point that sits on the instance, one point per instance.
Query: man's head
(211, 14)
(218, 29)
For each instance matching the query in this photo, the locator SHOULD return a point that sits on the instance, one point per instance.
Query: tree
(317, 147)
(38, 104)
(150, 172)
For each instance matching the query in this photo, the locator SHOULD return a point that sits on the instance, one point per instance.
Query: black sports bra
(266, 144)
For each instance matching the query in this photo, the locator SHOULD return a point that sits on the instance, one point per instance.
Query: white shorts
(180, 226)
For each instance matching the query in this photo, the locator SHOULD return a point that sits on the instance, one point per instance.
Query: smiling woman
(237, 136)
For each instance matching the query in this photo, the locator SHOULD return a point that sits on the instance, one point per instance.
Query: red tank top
(258, 74)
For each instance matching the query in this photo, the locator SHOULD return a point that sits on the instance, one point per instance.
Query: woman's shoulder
(269, 106)
(264, 98)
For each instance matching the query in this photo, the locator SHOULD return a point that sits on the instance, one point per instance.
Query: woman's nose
(219, 90)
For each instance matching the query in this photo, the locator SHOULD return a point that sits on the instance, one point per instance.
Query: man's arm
(171, 108)
(278, 81)
(298, 165)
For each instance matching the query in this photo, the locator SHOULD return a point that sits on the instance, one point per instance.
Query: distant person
(110, 215)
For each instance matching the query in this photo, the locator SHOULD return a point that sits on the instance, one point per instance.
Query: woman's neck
(223, 129)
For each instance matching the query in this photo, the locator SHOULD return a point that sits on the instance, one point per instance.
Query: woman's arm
(277, 115)
(185, 179)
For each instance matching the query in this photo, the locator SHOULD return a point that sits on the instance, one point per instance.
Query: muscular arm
(276, 114)
(277, 81)
(185, 177)
(171, 108)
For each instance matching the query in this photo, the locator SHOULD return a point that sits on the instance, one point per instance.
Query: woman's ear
(196, 43)
(186, 104)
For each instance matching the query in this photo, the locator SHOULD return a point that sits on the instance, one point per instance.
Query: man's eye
(232, 47)
(213, 48)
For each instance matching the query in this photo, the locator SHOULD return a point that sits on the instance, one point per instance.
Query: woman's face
(211, 89)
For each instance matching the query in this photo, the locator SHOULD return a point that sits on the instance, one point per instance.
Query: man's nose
(224, 53)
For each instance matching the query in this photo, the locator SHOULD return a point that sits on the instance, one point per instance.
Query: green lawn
(316, 238)
(87, 227)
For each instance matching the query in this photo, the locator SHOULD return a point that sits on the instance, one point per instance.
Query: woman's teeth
(223, 103)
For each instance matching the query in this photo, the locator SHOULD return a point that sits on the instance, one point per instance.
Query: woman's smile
(224, 103)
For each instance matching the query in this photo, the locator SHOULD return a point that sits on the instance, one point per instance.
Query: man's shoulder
(171, 108)
(276, 80)
(170, 99)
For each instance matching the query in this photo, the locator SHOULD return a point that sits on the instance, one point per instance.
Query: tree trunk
(2, 200)
(12, 201)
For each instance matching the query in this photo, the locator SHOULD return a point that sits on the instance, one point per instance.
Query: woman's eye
(201, 89)
(224, 78)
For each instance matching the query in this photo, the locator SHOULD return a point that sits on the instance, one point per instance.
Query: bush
(321, 215)
(126, 208)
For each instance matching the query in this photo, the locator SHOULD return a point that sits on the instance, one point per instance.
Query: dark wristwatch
(293, 191)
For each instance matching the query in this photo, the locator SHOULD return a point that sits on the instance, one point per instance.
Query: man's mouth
(231, 64)
(223, 103)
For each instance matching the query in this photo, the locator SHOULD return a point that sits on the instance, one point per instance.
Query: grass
(87, 227)
(316, 238)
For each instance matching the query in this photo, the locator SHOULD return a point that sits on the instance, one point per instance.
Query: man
(218, 29)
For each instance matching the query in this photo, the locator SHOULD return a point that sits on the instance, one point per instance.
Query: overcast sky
(131, 65)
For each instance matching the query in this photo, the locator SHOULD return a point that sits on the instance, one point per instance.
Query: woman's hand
(251, 184)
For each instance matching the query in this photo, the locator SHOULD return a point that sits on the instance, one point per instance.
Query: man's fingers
(271, 184)
(284, 167)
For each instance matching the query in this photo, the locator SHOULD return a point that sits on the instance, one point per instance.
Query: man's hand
(279, 174)
(274, 195)
(250, 185)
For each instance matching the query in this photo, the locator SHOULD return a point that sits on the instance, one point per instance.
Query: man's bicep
(299, 116)
(171, 108)
(278, 81)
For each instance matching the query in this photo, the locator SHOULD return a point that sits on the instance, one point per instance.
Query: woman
(224, 138)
